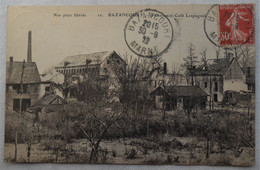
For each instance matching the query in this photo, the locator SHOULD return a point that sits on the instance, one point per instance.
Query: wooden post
(29, 151)
(15, 149)
(210, 93)
(207, 154)
(248, 113)
(57, 154)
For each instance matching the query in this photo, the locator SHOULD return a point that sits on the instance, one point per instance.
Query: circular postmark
(229, 26)
(148, 33)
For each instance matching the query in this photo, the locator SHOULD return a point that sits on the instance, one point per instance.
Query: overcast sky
(54, 38)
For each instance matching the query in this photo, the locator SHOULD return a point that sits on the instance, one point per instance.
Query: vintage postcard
(136, 84)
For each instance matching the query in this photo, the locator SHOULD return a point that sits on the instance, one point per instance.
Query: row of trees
(243, 54)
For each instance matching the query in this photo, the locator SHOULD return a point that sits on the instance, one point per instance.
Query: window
(205, 85)
(108, 62)
(17, 88)
(216, 86)
(16, 104)
(105, 70)
(215, 97)
(25, 104)
(47, 89)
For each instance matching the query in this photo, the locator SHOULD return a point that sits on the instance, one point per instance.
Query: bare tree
(191, 61)
(204, 57)
(99, 126)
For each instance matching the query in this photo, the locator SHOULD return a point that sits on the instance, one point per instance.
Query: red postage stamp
(236, 24)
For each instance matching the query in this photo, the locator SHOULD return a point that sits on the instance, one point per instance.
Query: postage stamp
(236, 24)
(148, 33)
(229, 26)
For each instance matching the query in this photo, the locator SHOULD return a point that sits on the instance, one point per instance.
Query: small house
(179, 97)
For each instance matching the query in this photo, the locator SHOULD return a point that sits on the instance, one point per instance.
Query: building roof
(50, 99)
(53, 77)
(31, 73)
(181, 91)
(78, 60)
(214, 67)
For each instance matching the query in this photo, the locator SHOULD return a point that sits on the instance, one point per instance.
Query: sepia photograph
(131, 84)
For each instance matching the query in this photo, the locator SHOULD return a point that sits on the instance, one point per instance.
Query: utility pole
(21, 85)
(164, 101)
(20, 112)
(210, 92)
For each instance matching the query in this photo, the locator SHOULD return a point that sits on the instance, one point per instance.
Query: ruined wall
(32, 93)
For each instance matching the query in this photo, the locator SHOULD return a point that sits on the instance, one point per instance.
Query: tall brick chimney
(29, 51)
(11, 64)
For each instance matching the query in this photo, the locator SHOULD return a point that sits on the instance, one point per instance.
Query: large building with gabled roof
(97, 64)
(103, 67)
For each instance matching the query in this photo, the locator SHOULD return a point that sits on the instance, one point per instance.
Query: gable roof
(53, 77)
(214, 67)
(47, 99)
(181, 91)
(93, 58)
(31, 73)
(50, 99)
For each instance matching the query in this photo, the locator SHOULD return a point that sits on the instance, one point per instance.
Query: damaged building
(217, 76)
(100, 64)
(104, 67)
(22, 82)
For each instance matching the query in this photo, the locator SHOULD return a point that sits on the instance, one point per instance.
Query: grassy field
(170, 150)
(169, 140)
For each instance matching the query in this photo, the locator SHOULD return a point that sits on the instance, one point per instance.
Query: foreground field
(74, 134)
(170, 150)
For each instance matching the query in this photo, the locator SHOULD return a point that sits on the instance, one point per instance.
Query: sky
(56, 34)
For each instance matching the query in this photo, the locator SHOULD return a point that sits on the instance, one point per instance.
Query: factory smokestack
(29, 51)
